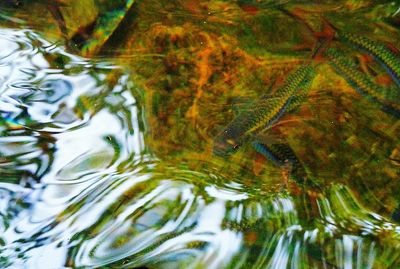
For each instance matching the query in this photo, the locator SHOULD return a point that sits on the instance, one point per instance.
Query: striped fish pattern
(361, 82)
(264, 112)
(281, 154)
(378, 51)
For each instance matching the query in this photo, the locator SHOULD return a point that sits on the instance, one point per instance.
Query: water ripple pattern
(49, 101)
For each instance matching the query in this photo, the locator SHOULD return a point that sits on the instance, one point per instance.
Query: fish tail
(281, 154)
(267, 153)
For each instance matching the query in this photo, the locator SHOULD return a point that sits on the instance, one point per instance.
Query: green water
(113, 151)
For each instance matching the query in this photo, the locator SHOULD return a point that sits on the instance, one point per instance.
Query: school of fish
(269, 109)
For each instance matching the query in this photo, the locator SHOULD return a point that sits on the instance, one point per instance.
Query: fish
(381, 53)
(264, 112)
(280, 155)
(384, 97)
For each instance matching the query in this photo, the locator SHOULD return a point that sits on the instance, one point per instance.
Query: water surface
(108, 125)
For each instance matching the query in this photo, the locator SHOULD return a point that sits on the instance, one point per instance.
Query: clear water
(106, 144)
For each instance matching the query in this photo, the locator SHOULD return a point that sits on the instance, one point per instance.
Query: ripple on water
(58, 109)
(145, 217)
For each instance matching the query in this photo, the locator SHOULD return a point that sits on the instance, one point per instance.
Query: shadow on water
(98, 169)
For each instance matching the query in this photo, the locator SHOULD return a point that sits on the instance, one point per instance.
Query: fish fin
(270, 89)
(258, 164)
(363, 60)
(328, 30)
(241, 104)
(384, 80)
(392, 94)
(267, 138)
(283, 156)
(393, 48)
(244, 103)
(289, 119)
(296, 102)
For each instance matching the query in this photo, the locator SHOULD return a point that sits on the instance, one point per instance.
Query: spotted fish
(383, 96)
(263, 112)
